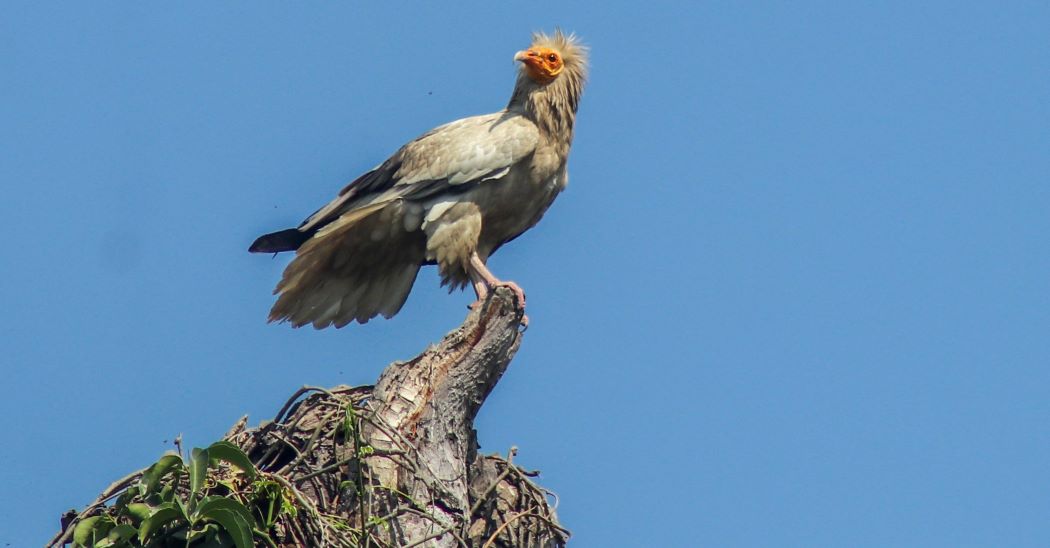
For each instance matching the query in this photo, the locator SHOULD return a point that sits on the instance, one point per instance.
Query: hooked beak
(524, 55)
(534, 66)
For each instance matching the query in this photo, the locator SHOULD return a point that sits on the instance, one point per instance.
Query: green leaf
(375, 521)
(232, 515)
(235, 525)
(269, 498)
(138, 511)
(288, 507)
(208, 530)
(122, 533)
(348, 421)
(162, 515)
(209, 504)
(82, 534)
(198, 470)
(90, 529)
(224, 450)
(177, 502)
(125, 498)
(152, 476)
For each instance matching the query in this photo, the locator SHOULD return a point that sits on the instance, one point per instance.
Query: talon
(518, 291)
(483, 280)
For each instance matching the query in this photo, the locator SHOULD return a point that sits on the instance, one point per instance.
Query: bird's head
(543, 65)
(550, 56)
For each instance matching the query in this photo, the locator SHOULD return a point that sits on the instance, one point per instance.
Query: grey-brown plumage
(450, 197)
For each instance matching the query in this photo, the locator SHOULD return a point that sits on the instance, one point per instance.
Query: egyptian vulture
(450, 197)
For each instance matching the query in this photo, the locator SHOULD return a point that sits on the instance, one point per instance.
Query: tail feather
(282, 240)
(358, 267)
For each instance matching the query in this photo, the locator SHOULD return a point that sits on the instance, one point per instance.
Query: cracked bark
(432, 400)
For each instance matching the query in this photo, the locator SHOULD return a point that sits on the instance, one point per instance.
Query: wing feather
(445, 159)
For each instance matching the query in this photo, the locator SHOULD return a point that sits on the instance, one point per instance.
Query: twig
(499, 479)
(304, 389)
(529, 513)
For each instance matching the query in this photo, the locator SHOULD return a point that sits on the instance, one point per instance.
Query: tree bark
(397, 464)
(431, 402)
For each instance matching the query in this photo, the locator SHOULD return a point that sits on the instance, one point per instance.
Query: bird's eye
(552, 58)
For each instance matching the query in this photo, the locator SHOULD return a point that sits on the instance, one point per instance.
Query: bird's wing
(447, 158)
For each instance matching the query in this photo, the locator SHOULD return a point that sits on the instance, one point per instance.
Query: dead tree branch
(391, 465)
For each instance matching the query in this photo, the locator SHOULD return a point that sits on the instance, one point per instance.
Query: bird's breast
(513, 206)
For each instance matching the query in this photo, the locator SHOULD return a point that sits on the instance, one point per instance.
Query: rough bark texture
(397, 464)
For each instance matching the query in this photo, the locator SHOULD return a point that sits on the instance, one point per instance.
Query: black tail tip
(276, 242)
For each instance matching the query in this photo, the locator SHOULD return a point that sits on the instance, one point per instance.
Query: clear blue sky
(797, 292)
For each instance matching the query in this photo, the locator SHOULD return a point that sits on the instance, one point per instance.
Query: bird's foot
(523, 323)
(483, 293)
(518, 291)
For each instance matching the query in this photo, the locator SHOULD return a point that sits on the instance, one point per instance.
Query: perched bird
(451, 197)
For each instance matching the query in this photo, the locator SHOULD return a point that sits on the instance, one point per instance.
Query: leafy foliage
(307, 478)
(218, 498)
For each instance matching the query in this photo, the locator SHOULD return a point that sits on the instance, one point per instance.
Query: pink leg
(484, 280)
(480, 289)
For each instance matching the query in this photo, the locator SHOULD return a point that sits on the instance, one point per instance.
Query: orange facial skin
(542, 64)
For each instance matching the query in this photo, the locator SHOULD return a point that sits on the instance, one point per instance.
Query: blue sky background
(795, 295)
